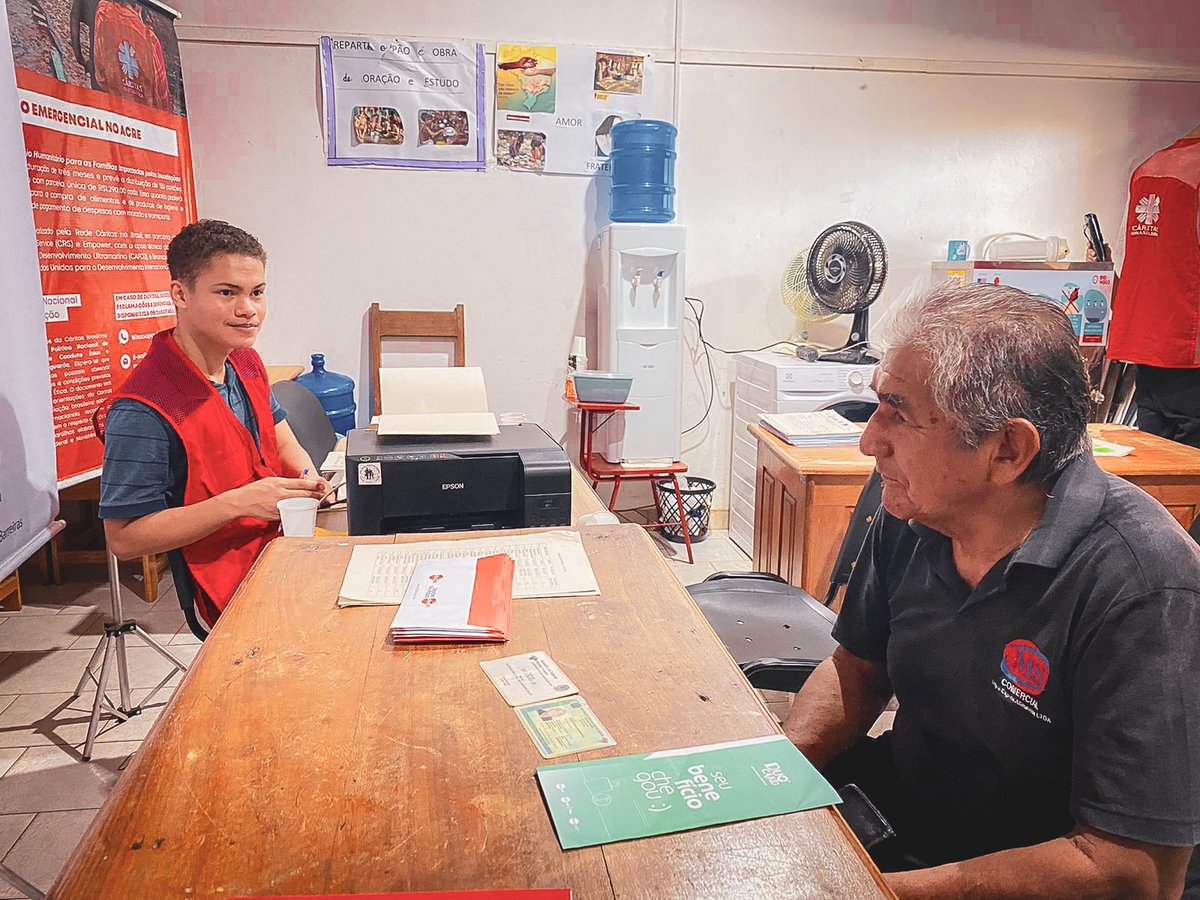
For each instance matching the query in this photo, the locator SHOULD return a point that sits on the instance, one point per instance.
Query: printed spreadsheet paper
(550, 564)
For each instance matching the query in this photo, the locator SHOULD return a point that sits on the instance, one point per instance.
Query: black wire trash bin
(697, 505)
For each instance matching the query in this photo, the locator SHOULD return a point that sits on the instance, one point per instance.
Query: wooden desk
(303, 754)
(804, 496)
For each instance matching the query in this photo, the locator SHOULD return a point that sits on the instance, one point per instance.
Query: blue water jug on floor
(336, 393)
(643, 171)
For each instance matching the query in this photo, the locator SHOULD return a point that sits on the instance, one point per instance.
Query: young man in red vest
(197, 452)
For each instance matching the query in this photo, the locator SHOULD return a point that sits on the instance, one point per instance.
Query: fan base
(859, 355)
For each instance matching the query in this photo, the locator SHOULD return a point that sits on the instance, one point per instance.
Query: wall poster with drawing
(555, 106)
(393, 102)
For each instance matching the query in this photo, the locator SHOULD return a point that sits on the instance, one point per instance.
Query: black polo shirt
(1065, 688)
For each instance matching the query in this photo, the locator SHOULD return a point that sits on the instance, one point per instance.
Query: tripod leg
(94, 725)
(171, 657)
(175, 661)
(123, 673)
(88, 670)
(118, 614)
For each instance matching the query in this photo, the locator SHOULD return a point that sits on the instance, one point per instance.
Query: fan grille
(796, 294)
(846, 267)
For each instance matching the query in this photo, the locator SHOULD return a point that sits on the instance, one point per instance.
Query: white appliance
(766, 382)
(1082, 290)
(640, 310)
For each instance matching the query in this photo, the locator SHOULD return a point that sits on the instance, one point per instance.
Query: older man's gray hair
(995, 354)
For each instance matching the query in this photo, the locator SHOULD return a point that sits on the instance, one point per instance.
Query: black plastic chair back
(856, 534)
(307, 419)
(776, 632)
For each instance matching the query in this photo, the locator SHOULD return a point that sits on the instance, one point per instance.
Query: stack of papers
(548, 564)
(456, 600)
(824, 428)
(431, 401)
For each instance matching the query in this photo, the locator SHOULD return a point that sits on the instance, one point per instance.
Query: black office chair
(776, 632)
(307, 418)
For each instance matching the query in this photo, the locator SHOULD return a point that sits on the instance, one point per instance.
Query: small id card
(567, 725)
(528, 678)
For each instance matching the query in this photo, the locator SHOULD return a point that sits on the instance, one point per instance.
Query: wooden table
(804, 496)
(304, 754)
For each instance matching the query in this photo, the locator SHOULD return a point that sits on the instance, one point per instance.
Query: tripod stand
(113, 647)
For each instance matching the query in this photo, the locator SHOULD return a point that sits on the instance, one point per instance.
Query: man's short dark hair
(190, 250)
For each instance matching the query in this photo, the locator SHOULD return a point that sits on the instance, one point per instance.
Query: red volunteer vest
(1156, 314)
(221, 456)
(127, 57)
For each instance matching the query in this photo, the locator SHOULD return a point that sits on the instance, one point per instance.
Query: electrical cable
(698, 315)
(712, 381)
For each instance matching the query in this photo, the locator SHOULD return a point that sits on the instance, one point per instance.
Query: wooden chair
(10, 593)
(59, 554)
(411, 323)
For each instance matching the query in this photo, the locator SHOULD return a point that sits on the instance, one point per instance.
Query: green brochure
(623, 797)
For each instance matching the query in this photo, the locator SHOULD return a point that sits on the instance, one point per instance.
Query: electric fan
(798, 298)
(843, 272)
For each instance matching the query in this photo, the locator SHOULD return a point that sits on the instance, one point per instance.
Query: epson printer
(520, 478)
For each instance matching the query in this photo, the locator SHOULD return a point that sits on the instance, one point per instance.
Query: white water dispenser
(640, 308)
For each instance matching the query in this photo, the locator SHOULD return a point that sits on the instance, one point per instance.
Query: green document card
(623, 797)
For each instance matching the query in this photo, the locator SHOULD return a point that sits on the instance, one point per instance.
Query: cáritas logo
(1148, 211)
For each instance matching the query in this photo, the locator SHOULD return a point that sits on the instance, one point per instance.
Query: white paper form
(550, 564)
(423, 400)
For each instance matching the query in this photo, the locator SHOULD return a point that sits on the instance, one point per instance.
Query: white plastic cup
(577, 361)
(298, 516)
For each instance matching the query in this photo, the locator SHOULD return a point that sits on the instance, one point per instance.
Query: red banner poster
(100, 94)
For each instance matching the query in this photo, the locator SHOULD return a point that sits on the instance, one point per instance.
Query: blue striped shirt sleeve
(278, 413)
(145, 469)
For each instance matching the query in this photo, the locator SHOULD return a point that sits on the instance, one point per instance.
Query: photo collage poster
(556, 105)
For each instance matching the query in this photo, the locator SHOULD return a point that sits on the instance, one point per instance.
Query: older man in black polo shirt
(1037, 620)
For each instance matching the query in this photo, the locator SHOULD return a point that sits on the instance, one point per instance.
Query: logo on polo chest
(1026, 671)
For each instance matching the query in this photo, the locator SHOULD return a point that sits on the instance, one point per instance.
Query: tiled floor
(48, 795)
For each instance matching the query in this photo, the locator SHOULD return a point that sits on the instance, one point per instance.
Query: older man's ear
(1015, 447)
